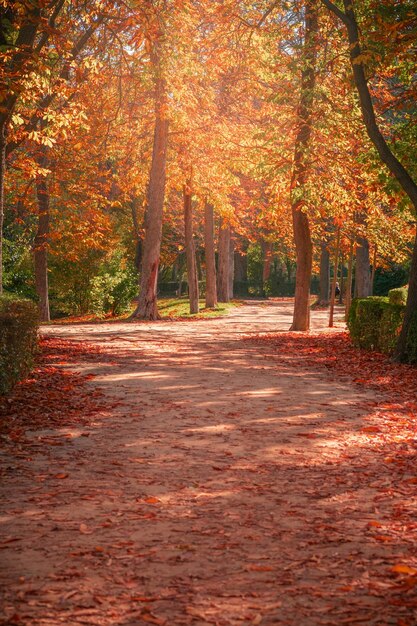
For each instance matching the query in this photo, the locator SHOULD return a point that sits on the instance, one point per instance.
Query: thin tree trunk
(301, 226)
(267, 248)
(373, 269)
(147, 303)
(223, 272)
(41, 242)
(211, 289)
(387, 156)
(349, 282)
(190, 249)
(363, 269)
(342, 278)
(231, 265)
(324, 296)
(334, 281)
(198, 261)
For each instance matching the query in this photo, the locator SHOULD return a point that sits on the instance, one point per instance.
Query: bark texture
(223, 273)
(363, 269)
(301, 226)
(241, 267)
(147, 304)
(211, 288)
(190, 249)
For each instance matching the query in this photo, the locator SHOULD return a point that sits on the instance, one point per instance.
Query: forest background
(131, 132)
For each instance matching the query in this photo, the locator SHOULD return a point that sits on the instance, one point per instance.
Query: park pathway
(226, 486)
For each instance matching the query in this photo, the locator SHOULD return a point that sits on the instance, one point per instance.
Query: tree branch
(335, 9)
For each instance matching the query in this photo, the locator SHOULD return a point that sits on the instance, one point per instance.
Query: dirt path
(227, 487)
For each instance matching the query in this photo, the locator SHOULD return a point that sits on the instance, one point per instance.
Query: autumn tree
(359, 58)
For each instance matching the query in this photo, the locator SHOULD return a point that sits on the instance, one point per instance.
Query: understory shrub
(112, 291)
(19, 321)
(375, 323)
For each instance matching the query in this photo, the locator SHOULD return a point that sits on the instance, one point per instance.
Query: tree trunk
(334, 281)
(211, 290)
(190, 249)
(40, 248)
(231, 265)
(349, 282)
(387, 156)
(375, 256)
(198, 259)
(241, 267)
(223, 272)
(267, 248)
(363, 269)
(342, 278)
(147, 305)
(301, 226)
(324, 295)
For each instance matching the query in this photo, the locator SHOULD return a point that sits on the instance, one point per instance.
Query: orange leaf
(404, 569)
(152, 500)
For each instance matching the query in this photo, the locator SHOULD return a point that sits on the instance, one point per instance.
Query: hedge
(398, 296)
(19, 321)
(365, 320)
(375, 323)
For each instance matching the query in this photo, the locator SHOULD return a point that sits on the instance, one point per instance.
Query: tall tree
(190, 248)
(223, 272)
(211, 289)
(19, 28)
(301, 226)
(397, 169)
(147, 303)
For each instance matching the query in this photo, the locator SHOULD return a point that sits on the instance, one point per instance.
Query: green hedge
(19, 321)
(365, 320)
(375, 323)
(398, 296)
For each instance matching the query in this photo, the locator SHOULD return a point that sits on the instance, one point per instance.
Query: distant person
(337, 290)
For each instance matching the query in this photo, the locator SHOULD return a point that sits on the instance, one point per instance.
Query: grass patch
(180, 308)
(169, 308)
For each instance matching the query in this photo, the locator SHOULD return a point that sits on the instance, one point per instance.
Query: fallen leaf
(404, 569)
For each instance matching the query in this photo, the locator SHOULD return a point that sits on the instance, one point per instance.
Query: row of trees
(137, 124)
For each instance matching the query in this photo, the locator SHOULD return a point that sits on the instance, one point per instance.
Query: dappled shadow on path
(231, 486)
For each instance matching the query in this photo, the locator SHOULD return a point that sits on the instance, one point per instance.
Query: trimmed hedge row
(398, 296)
(375, 323)
(19, 322)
